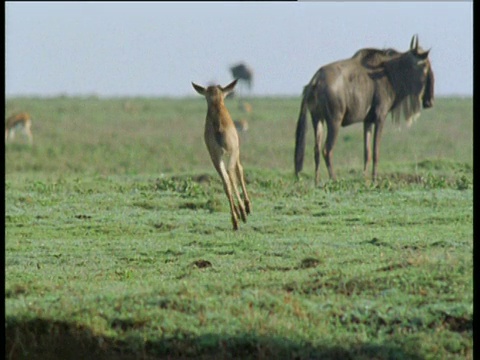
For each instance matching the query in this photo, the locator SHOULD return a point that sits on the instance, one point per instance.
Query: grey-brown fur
(363, 88)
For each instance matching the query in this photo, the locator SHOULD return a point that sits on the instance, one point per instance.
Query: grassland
(119, 242)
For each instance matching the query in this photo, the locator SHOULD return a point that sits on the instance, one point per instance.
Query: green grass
(119, 242)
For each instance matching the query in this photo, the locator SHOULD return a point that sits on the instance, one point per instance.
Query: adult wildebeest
(364, 88)
(243, 73)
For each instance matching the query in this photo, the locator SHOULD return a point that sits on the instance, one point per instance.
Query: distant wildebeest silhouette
(222, 142)
(364, 88)
(243, 73)
(20, 121)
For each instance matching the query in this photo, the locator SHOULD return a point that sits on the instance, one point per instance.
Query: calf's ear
(198, 88)
(229, 88)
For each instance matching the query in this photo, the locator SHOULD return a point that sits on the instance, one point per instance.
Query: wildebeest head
(242, 72)
(422, 56)
(411, 76)
(427, 100)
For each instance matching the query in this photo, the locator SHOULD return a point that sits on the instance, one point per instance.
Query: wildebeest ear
(229, 88)
(422, 56)
(199, 89)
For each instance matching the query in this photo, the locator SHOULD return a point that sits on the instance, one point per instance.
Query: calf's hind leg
(227, 187)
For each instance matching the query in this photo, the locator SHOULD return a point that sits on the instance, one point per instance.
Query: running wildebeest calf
(364, 88)
(222, 142)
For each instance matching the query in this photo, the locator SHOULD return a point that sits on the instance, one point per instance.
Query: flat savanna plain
(119, 243)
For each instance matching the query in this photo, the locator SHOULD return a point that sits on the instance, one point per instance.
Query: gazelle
(245, 107)
(241, 125)
(20, 121)
(223, 146)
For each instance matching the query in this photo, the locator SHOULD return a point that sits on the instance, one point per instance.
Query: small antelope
(20, 121)
(246, 107)
(130, 107)
(223, 146)
(241, 125)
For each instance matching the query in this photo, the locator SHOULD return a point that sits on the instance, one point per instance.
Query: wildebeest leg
(376, 147)
(232, 171)
(240, 209)
(367, 139)
(332, 132)
(220, 167)
(244, 188)
(318, 129)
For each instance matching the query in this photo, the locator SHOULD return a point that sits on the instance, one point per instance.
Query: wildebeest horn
(414, 42)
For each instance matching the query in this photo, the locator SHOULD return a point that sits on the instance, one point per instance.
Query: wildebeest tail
(300, 137)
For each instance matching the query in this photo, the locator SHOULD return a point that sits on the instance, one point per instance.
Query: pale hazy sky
(158, 48)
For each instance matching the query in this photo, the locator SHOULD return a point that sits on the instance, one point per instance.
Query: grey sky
(157, 49)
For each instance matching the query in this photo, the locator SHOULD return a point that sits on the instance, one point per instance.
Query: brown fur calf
(223, 146)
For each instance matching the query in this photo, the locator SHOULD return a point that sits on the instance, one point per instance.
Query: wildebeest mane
(372, 58)
(394, 65)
